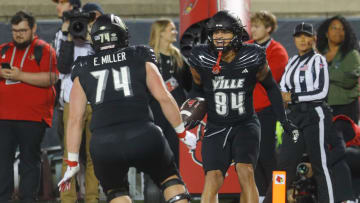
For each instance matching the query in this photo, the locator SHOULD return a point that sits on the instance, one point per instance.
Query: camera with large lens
(302, 169)
(304, 187)
(79, 21)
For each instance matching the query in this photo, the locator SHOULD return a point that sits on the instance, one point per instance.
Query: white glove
(72, 168)
(190, 140)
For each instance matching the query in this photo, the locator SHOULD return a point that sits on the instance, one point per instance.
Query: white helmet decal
(116, 20)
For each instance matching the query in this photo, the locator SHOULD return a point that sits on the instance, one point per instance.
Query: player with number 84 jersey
(229, 93)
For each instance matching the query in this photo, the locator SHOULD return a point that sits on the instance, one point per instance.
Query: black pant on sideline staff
(28, 136)
(314, 122)
(267, 161)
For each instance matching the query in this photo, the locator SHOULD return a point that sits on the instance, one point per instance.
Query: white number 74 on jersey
(121, 82)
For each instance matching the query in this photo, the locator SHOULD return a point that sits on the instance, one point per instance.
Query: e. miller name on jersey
(228, 83)
(109, 58)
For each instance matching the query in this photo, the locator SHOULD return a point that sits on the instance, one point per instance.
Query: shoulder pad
(252, 54)
(201, 55)
(146, 53)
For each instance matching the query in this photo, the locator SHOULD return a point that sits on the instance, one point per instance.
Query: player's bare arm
(157, 88)
(77, 108)
(168, 104)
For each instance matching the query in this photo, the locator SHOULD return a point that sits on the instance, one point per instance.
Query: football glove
(291, 129)
(72, 168)
(190, 140)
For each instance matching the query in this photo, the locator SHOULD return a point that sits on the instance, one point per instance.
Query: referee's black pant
(314, 121)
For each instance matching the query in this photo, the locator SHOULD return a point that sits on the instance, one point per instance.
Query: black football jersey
(114, 82)
(229, 93)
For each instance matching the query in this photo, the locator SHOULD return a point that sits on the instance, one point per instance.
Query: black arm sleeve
(196, 91)
(275, 97)
(186, 77)
(66, 57)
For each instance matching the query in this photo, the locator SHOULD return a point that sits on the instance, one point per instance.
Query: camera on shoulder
(79, 21)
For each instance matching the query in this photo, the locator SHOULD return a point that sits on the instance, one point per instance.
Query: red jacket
(277, 58)
(356, 140)
(22, 101)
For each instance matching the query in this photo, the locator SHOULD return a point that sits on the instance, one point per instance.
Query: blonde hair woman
(162, 36)
(177, 77)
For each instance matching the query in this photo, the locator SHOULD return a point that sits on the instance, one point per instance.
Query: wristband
(180, 130)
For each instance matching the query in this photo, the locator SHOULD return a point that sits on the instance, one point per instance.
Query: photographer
(70, 42)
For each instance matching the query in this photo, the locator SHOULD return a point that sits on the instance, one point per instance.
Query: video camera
(304, 188)
(79, 21)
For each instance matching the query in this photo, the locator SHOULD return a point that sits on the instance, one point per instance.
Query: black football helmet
(227, 20)
(109, 31)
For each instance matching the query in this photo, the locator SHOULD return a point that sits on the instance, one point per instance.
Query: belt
(305, 106)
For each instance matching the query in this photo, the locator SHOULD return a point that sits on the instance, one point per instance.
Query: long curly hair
(350, 42)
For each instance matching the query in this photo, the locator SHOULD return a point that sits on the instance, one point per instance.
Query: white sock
(261, 199)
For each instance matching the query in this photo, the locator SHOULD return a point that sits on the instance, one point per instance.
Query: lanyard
(23, 58)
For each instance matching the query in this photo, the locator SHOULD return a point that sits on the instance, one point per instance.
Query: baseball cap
(74, 3)
(92, 7)
(304, 28)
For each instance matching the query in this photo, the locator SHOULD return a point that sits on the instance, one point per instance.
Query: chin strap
(217, 68)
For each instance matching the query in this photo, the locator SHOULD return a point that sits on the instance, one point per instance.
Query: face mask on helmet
(225, 20)
(109, 32)
(223, 42)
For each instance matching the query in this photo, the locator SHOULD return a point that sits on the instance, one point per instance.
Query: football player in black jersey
(117, 81)
(225, 73)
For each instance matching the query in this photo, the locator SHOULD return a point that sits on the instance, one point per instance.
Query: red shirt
(22, 101)
(277, 58)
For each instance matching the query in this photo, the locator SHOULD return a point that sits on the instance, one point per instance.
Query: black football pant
(267, 161)
(315, 124)
(28, 136)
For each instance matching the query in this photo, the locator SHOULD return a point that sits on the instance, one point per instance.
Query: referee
(304, 87)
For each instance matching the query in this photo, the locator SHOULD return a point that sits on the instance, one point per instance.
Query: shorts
(222, 146)
(141, 145)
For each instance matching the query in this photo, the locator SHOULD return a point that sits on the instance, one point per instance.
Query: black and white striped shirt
(307, 77)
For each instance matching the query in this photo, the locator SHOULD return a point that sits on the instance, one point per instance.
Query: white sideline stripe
(323, 155)
(187, 113)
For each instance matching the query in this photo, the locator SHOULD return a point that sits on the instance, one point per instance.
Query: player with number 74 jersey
(118, 81)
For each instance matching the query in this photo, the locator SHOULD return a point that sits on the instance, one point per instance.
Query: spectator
(304, 86)
(27, 102)
(342, 177)
(68, 49)
(263, 24)
(177, 77)
(337, 41)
